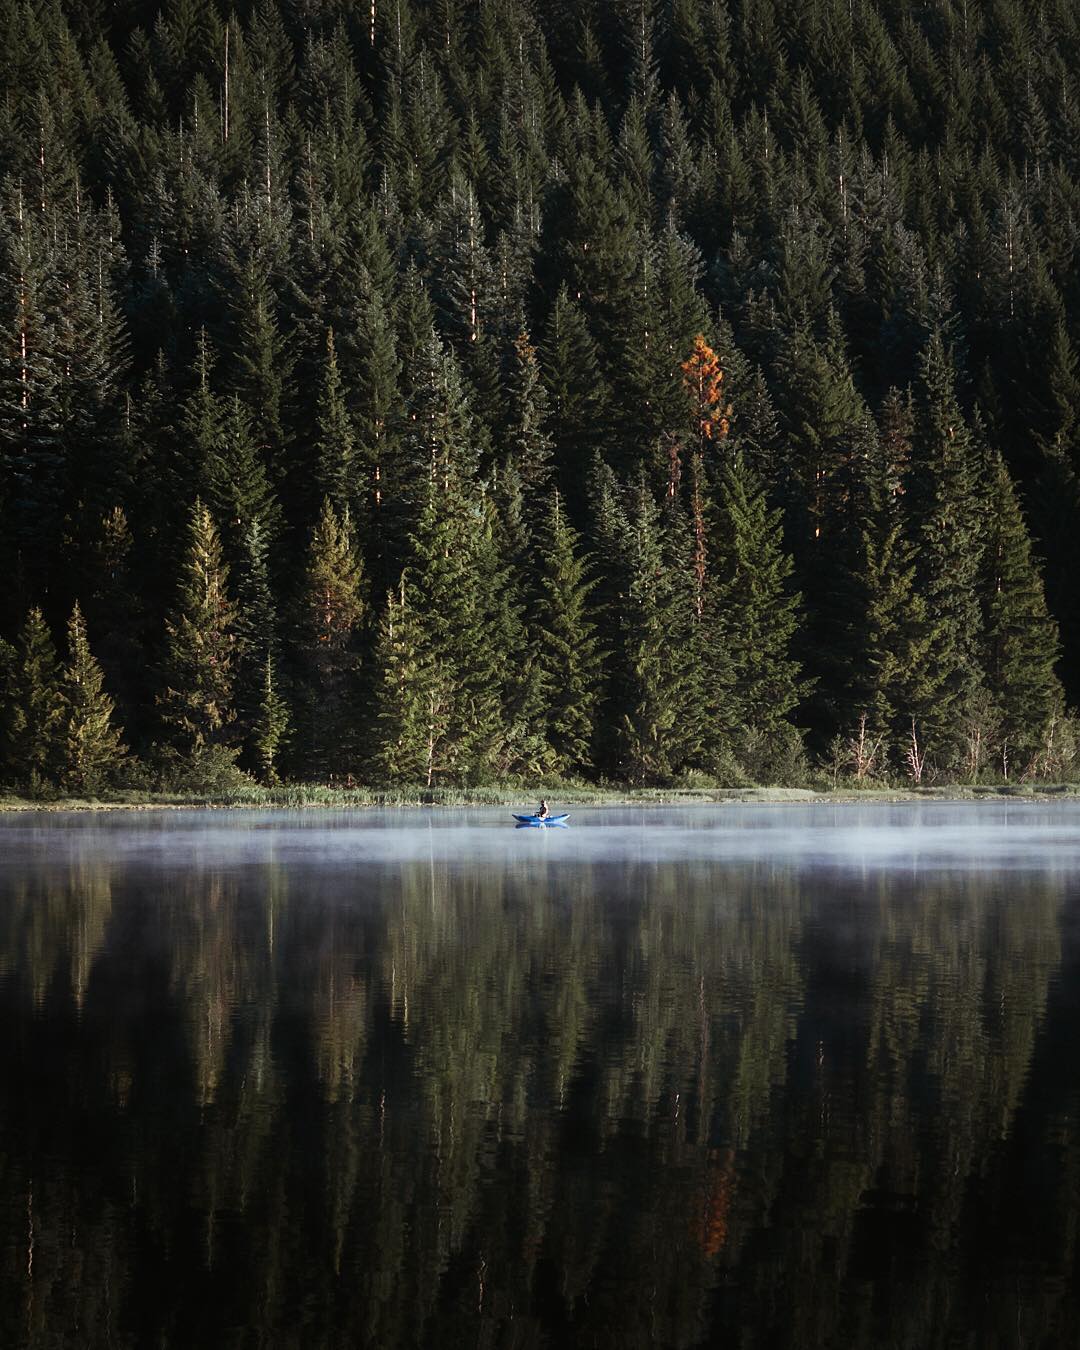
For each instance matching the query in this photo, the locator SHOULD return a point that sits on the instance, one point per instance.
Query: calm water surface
(777, 1077)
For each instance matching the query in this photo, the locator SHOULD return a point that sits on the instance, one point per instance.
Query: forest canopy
(648, 391)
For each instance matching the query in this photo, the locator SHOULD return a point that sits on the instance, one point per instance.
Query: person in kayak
(543, 813)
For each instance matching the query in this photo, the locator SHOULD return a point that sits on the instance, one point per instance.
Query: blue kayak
(542, 820)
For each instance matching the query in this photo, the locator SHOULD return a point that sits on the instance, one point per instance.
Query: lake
(786, 1076)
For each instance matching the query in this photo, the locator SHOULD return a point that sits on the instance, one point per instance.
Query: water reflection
(764, 1080)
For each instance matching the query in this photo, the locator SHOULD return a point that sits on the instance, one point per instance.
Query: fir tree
(579, 394)
(1019, 640)
(34, 734)
(526, 436)
(331, 614)
(198, 673)
(653, 703)
(93, 750)
(410, 701)
(942, 497)
(890, 633)
(568, 650)
(335, 448)
(256, 628)
(270, 732)
(759, 614)
(439, 713)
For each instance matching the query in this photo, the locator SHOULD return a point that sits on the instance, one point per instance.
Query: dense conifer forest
(460, 391)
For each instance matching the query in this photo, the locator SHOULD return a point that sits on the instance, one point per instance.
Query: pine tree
(1019, 644)
(508, 585)
(568, 648)
(331, 613)
(943, 500)
(34, 734)
(759, 617)
(580, 397)
(93, 749)
(335, 448)
(439, 712)
(653, 696)
(377, 407)
(198, 674)
(238, 489)
(526, 435)
(410, 700)
(31, 407)
(890, 634)
(256, 629)
(270, 732)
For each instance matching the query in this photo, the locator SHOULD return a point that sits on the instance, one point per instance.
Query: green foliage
(316, 279)
(93, 750)
(197, 701)
(271, 729)
(653, 701)
(567, 646)
(755, 610)
(943, 492)
(1020, 640)
(335, 449)
(34, 723)
(332, 609)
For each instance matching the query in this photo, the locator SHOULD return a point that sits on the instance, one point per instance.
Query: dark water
(780, 1077)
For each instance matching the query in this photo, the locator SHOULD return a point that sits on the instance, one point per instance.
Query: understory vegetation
(428, 394)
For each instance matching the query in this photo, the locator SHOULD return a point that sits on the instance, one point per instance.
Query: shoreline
(322, 799)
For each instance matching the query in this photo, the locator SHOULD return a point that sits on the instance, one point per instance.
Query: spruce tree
(270, 731)
(580, 396)
(890, 632)
(256, 628)
(200, 654)
(331, 613)
(653, 704)
(567, 646)
(1019, 640)
(526, 434)
(93, 749)
(759, 617)
(410, 702)
(439, 710)
(335, 448)
(34, 734)
(943, 503)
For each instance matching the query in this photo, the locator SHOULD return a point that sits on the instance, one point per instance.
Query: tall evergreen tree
(270, 732)
(653, 699)
(93, 749)
(335, 448)
(567, 646)
(439, 714)
(759, 619)
(34, 731)
(1019, 640)
(943, 499)
(198, 670)
(331, 613)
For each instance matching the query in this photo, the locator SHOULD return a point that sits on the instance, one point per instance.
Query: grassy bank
(314, 796)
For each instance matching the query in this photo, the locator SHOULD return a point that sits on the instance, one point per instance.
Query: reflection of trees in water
(426, 1105)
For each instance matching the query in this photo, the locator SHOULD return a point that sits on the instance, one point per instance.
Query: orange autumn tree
(703, 380)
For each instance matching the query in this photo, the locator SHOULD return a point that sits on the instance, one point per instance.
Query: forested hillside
(643, 390)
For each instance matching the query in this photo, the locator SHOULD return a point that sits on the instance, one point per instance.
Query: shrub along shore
(309, 796)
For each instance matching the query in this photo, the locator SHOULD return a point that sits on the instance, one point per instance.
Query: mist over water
(1029, 835)
(779, 1076)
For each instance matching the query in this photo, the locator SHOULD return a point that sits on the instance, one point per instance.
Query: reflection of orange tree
(512, 1099)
